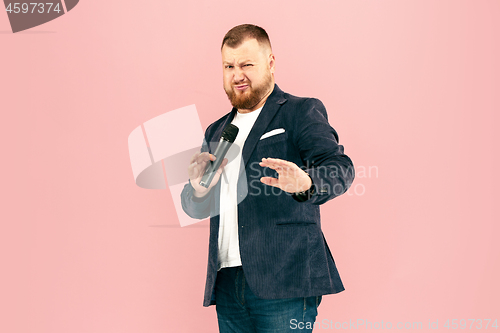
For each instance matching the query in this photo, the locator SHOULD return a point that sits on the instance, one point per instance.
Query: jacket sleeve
(331, 171)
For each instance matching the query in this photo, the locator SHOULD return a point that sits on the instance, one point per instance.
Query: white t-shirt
(229, 248)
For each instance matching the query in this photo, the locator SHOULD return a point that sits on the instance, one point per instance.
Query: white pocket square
(273, 132)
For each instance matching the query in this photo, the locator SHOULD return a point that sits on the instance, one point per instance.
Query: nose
(238, 75)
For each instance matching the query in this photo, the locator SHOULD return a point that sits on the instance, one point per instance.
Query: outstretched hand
(290, 179)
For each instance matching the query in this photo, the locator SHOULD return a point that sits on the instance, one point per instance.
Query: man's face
(248, 74)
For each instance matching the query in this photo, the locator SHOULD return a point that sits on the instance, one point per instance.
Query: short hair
(240, 33)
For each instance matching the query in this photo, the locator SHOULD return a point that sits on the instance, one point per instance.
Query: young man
(269, 263)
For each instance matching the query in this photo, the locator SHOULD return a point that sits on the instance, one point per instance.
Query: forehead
(250, 49)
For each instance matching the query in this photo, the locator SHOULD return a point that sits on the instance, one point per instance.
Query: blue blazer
(283, 251)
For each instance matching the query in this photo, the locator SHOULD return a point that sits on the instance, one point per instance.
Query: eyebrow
(241, 62)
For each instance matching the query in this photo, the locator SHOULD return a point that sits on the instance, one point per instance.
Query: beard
(251, 97)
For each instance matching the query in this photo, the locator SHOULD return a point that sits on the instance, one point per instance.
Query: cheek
(251, 77)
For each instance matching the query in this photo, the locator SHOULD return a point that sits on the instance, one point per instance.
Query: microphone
(228, 137)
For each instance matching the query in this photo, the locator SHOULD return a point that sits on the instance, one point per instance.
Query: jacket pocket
(273, 139)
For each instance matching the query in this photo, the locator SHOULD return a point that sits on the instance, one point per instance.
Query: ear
(272, 62)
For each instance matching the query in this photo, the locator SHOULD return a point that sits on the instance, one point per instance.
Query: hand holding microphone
(205, 169)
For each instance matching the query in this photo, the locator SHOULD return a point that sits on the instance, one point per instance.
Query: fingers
(284, 168)
(198, 164)
(193, 158)
(270, 181)
(219, 171)
(290, 179)
(199, 157)
(287, 187)
(204, 157)
(276, 163)
(223, 164)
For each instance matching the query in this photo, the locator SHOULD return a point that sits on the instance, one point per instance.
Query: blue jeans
(240, 311)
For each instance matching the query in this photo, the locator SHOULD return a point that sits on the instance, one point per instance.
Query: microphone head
(230, 133)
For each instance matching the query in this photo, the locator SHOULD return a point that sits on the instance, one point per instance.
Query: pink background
(412, 87)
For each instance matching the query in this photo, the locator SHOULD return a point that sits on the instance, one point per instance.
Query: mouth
(241, 87)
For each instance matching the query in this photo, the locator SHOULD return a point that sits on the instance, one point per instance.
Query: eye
(247, 65)
(229, 66)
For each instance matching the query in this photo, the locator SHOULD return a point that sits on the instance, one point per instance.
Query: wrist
(307, 194)
(197, 194)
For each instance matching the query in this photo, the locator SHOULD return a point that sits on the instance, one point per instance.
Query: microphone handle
(212, 167)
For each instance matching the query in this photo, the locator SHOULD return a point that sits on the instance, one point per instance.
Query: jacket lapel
(272, 105)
